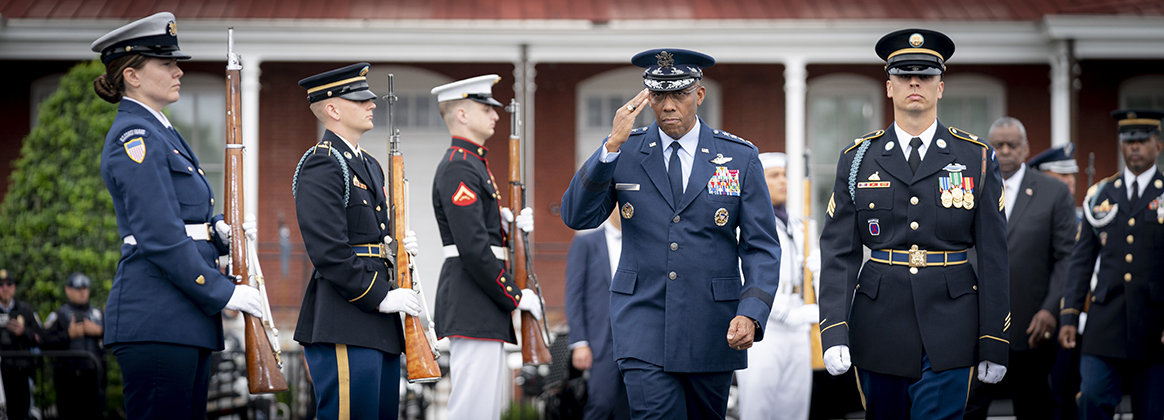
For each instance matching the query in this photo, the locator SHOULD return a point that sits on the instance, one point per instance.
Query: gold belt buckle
(917, 257)
(383, 251)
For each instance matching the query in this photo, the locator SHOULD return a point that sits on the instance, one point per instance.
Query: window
(1143, 92)
(41, 89)
(599, 96)
(972, 102)
(841, 107)
(200, 116)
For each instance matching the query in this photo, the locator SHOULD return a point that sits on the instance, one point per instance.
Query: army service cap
(77, 281)
(915, 51)
(1060, 160)
(350, 82)
(671, 69)
(1137, 124)
(153, 36)
(477, 89)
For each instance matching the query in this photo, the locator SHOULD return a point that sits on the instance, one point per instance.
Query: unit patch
(464, 196)
(135, 149)
(724, 182)
(874, 227)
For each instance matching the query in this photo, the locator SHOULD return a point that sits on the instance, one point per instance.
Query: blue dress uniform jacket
(678, 283)
(1126, 316)
(338, 209)
(157, 186)
(476, 294)
(955, 317)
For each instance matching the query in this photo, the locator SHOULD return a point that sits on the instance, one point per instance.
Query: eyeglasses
(679, 95)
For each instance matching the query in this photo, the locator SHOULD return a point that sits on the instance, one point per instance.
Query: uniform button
(212, 201)
(1131, 239)
(672, 275)
(1093, 298)
(913, 225)
(200, 172)
(1127, 277)
(913, 200)
(377, 208)
(382, 227)
(1131, 222)
(975, 287)
(675, 219)
(870, 205)
(674, 246)
(200, 280)
(190, 168)
(508, 289)
(1128, 258)
(858, 287)
(503, 279)
(913, 270)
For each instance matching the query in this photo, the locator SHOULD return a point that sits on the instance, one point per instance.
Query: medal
(968, 201)
(957, 193)
(947, 199)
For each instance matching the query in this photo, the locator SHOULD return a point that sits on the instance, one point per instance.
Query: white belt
(498, 251)
(197, 232)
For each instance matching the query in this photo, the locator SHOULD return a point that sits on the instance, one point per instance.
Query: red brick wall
(15, 111)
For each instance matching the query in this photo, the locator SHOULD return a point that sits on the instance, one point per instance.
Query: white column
(795, 86)
(1060, 95)
(250, 132)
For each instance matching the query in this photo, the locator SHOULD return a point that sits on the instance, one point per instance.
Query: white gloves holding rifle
(530, 302)
(524, 219)
(409, 241)
(401, 300)
(249, 227)
(246, 299)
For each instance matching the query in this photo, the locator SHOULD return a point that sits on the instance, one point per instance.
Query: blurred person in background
(21, 332)
(76, 325)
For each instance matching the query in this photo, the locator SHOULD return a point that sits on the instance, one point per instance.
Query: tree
(58, 216)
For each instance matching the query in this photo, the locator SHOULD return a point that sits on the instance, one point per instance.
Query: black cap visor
(483, 98)
(915, 63)
(359, 95)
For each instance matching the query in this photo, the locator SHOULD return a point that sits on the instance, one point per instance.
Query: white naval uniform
(778, 381)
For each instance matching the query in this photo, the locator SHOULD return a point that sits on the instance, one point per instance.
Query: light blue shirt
(689, 142)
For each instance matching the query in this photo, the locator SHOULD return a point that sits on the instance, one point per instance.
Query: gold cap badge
(916, 40)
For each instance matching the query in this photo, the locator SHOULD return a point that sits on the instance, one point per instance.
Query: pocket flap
(868, 282)
(624, 282)
(961, 282)
(180, 164)
(725, 289)
(875, 199)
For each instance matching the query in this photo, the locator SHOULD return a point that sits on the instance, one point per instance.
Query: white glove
(410, 244)
(246, 299)
(525, 220)
(401, 300)
(530, 302)
(837, 360)
(990, 372)
(507, 218)
(250, 227)
(804, 315)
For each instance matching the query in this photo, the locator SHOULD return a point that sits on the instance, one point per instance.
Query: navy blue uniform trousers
(936, 395)
(674, 396)
(164, 380)
(1104, 380)
(354, 382)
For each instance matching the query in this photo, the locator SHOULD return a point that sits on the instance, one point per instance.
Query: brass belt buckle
(917, 257)
(383, 251)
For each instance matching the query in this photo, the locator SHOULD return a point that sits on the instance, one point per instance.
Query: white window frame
(39, 90)
(823, 166)
(975, 85)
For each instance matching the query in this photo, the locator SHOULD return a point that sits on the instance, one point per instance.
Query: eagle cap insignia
(916, 40)
(1131, 115)
(172, 28)
(666, 60)
(720, 159)
(364, 71)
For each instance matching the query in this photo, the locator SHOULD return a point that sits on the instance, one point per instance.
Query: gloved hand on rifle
(524, 219)
(530, 302)
(409, 241)
(246, 299)
(401, 300)
(250, 227)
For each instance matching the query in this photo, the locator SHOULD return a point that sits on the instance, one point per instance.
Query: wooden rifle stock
(422, 365)
(534, 349)
(810, 292)
(263, 375)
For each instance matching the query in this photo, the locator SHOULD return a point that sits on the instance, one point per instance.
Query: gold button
(200, 172)
(913, 200)
(870, 205)
(913, 225)
(212, 201)
(1131, 222)
(377, 208)
(1127, 276)
(1131, 239)
(365, 202)
(975, 287)
(200, 280)
(675, 219)
(190, 168)
(1093, 298)
(672, 275)
(1128, 258)
(503, 279)
(508, 289)
(858, 287)
(913, 270)
(674, 246)
(382, 227)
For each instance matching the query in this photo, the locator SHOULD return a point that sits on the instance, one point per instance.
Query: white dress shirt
(689, 142)
(903, 139)
(1011, 187)
(1143, 180)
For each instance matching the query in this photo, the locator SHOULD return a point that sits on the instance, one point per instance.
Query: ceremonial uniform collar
(470, 147)
(160, 116)
(1144, 179)
(355, 150)
(926, 136)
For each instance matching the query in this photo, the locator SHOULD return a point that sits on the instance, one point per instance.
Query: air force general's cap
(349, 82)
(671, 69)
(1137, 124)
(1060, 160)
(77, 281)
(915, 51)
(476, 89)
(153, 36)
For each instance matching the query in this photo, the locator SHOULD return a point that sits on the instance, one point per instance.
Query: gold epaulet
(863, 138)
(965, 135)
(1092, 190)
(322, 145)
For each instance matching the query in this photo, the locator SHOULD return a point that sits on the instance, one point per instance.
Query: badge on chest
(957, 190)
(724, 182)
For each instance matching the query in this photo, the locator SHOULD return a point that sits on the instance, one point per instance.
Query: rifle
(809, 291)
(419, 345)
(535, 349)
(262, 349)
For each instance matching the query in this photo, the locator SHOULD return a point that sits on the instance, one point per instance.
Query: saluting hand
(624, 120)
(741, 332)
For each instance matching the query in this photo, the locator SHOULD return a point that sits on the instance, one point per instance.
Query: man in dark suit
(1123, 228)
(349, 324)
(918, 318)
(590, 266)
(1040, 233)
(682, 189)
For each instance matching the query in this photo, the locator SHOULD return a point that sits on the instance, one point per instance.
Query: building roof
(592, 10)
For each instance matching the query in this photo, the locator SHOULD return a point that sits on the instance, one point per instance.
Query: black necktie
(675, 172)
(915, 155)
(1135, 192)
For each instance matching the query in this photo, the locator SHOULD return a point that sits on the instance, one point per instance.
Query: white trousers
(477, 371)
(778, 381)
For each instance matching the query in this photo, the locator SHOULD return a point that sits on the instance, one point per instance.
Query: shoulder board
(729, 136)
(324, 145)
(639, 131)
(132, 133)
(1094, 189)
(965, 135)
(864, 138)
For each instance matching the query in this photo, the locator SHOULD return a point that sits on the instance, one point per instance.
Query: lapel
(172, 138)
(1022, 200)
(893, 160)
(652, 150)
(1150, 193)
(355, 164)
(936, 157)
(701, 167)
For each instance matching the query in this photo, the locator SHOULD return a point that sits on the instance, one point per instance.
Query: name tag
(879, 184)
(626, 187)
